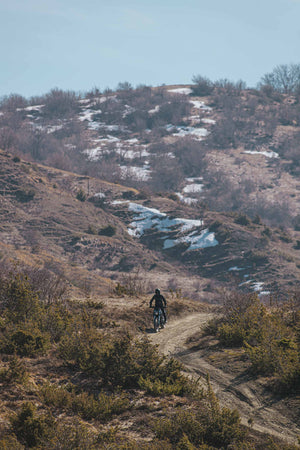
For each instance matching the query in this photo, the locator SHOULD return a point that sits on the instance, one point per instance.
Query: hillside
(105, 197)
(229, 160)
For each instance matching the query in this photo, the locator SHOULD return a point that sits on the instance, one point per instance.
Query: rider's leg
(164, 314)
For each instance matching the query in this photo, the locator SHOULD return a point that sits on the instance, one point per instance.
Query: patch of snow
(154, 110)
(70, 146)
(93, 153)
(136, 173)
(263, 293)
(34, 108)
(147, 218)
(182, 131)
(187, 200)
(132, 154)
(100, 195)
(204, 240)
(84, 101)
(268, 154)
(209, 121)
(245, 282)
(194, 119)
(87, 115)
(235, 268)
(107, 139)
(151, 217)
(106, 98)
(119, 202)
(121, 147)
(184, 91)
(200, 105)
(192, 188)
(47, 128)
(132, 141)
(128, 110)
(113, 127)
(257, 287)
(193, 179)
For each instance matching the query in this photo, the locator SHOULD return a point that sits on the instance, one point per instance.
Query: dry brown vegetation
(75, 285)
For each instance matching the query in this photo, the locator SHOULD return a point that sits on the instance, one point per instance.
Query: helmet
(157, 291)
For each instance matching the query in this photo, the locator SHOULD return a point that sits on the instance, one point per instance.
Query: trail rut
(236, 392)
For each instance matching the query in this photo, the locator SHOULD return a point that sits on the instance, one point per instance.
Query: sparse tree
(124, 86)
(12, 102)
(60, 103)
(203, 85)
(8, 138)
(284, 78)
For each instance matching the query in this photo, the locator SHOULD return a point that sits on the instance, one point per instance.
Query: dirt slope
(236, 392)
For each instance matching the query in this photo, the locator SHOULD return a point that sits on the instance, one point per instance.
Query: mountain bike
(158, 319)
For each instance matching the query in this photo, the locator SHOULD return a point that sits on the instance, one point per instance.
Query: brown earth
(235, 389)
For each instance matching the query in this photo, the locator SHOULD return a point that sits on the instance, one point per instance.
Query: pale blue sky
(79, 44)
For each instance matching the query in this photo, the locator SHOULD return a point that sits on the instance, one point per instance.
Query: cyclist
(160, 302)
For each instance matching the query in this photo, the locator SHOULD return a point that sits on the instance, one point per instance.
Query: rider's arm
(164, 300)
(151, 301)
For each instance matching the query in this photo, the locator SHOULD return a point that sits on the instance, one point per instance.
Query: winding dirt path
(235, 392)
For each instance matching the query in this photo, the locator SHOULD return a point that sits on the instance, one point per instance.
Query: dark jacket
(160, 301)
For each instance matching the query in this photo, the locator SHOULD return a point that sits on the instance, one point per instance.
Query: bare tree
(203, 85)
(60, 103)
(12, 102)
(284, 78)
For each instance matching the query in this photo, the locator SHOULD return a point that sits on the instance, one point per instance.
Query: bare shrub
(272, 212)
(167, 174)
(8, 138)
(12, 102)
(124, 86)
(190, 156)
(224, 135)
(173, 111)
(203, 85)
(59, 103)
(133, 283)
(230, 87)
(283, 78)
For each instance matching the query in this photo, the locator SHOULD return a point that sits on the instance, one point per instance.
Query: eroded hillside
(97, 233)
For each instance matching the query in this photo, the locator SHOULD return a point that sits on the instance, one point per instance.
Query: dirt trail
(235, 392)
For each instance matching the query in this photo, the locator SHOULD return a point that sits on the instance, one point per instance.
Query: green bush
(25, 195)
(84, 348)
(31, 429)
(74, 436)
(92, 230)
(109, 230)
(20, 301)
(56, 321)
(10, 443)
(27, 343)
(208, 425)
(123, 362)
(270, 342)
(15, 372)
(242, 219)
(231, 335)
(81, 195)
(100, 407)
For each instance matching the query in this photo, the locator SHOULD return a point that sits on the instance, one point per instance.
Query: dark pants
(164, 313)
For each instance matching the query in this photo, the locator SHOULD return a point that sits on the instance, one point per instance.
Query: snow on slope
(268, 154)
(150, 218)
(184, 91)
